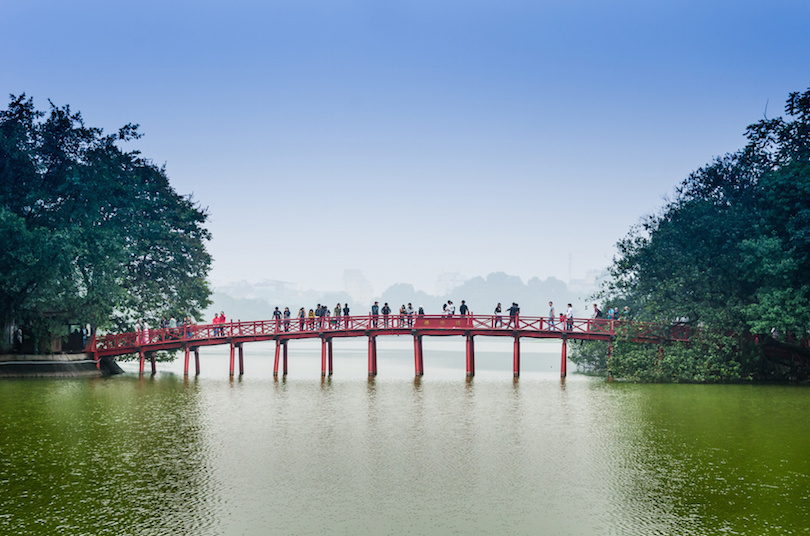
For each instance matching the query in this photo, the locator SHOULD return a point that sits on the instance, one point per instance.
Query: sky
(411, 139)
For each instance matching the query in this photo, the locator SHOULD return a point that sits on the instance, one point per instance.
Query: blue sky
(411, 139)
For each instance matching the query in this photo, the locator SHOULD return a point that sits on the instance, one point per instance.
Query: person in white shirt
(550, 315)
(569, 318)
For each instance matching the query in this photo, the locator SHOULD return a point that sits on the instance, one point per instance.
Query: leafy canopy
(734, 244)
(91, 232)
(730, 252)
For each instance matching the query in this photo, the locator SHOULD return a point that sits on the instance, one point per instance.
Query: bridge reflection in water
(235, 334)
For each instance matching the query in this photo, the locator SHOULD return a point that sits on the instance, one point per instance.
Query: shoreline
(52, 366)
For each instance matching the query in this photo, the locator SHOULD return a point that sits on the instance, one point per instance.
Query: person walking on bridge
(550, 315)
(375, 313)
(287, 319)
(514, 310)
(386, 310)
(463, 309)
(498, 321)
(569, 318)
(221, 322)
(346, 315)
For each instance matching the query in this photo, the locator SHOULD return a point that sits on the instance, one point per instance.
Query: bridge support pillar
(329, 353)
(324, 353)
(372, 356)
(516, 358)
(187, 351)
(275, 361)
(233, 348)
(284, 357)
(419, 365)
(142, 357)
(564, 358)
(470, 356)
(197, 361)
(152, 362)
(241, 360)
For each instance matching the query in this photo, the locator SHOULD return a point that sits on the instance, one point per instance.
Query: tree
(731, 254)
(96, 234)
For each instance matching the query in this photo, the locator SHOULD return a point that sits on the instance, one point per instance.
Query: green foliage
(710, 357)
(590, 356)
(730, 253)
(93, 233)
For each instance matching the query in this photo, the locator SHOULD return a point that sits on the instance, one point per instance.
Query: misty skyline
(256, 300)
(411, 139)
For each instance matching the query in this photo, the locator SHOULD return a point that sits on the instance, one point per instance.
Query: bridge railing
(630, 330)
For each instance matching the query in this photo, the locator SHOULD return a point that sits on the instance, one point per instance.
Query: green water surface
(168, 455)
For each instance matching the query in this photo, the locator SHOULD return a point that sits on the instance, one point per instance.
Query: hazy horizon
(256, 300)
(413, 139)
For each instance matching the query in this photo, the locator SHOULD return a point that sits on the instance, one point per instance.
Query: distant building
(589, 284)
(268, 289)
(448, 281)
(357, 286)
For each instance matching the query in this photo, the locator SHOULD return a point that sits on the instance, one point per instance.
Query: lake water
(441, 455)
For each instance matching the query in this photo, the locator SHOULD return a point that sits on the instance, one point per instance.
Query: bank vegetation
(730, 254)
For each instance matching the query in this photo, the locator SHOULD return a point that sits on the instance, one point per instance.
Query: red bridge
(236, 334)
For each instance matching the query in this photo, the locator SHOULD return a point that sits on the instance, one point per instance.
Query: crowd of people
(613, 313)
(322, 316)
(333, 318)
